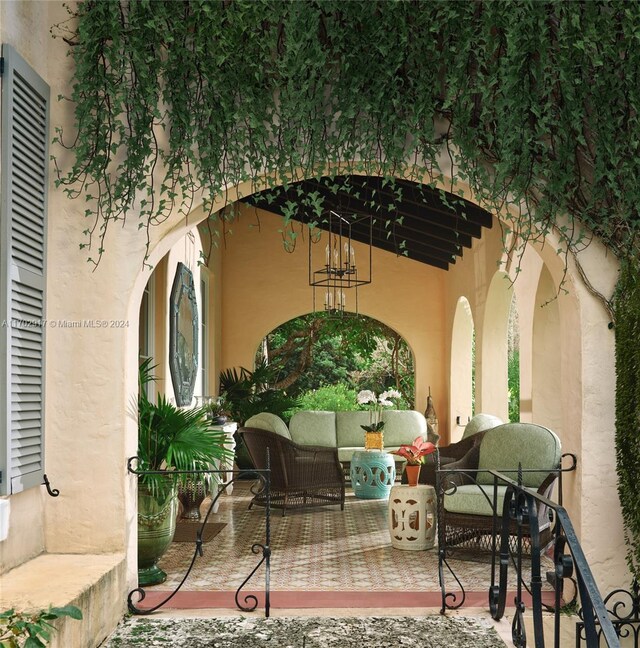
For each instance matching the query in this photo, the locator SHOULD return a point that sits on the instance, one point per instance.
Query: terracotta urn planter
(413, 473)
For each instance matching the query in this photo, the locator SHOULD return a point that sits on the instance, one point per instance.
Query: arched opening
(155, 312)
(546, 356)
(381, 300)
(493, 361)
(461, 387)
(326, 360)
(513, 361)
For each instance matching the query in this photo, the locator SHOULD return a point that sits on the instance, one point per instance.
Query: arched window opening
(513, 362)
(324, 361)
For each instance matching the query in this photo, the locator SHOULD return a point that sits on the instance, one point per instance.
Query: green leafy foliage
(314, 351)
(172, 438)
(331, 398)
(248, 392)
(513, 370)
(32, 629)
(533, 103)
(627, 330)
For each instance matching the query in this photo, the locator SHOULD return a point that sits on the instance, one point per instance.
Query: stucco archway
(546, 354)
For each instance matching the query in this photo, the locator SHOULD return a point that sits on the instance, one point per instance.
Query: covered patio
(445, 274)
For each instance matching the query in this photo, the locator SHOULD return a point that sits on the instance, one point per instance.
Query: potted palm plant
(169, 439)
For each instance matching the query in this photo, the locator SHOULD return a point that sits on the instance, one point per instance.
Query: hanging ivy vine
(534, 104)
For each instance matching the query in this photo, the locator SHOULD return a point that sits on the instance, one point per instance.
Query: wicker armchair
(466, 490)
(301, 476)
(458, 455)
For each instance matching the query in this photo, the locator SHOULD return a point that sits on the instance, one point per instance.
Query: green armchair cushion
(269, 422)
(471, 499)
(504, 447)
(480, 423)
(316, 428)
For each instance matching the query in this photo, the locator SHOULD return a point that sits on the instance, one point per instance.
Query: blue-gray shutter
(24, 123)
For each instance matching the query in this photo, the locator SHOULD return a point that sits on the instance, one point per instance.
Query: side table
(412, 517)
(372, 474)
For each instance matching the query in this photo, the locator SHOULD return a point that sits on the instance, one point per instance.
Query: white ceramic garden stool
(412, 517)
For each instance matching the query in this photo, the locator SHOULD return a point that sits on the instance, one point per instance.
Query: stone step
(92, 582)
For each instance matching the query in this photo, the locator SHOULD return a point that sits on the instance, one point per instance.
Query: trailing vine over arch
(535, 105)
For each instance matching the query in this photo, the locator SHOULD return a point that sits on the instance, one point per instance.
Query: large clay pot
(413, 474)
(156, 526)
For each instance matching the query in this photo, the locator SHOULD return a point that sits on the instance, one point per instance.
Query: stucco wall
(567, 376)
(24, 25)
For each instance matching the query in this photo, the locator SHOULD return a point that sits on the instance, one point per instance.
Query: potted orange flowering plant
(414, 454)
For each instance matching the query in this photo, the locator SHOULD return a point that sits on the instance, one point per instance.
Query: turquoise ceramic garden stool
(372, 474)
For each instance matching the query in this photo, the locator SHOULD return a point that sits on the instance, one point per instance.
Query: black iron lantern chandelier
(334, 271)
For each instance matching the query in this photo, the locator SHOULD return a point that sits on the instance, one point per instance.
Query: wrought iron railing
(623, 607)
(250, 601)
(516, 530)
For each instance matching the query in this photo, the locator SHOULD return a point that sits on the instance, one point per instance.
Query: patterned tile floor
(322, 550)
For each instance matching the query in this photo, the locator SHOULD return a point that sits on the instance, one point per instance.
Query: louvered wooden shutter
(23, 209)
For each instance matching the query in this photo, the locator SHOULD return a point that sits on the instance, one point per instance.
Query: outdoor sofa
(301, 476)
(343, 430)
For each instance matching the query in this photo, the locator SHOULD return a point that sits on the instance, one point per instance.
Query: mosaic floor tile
(318, 550)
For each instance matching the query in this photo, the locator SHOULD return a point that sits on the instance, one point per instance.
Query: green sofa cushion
(401, 427)
(314, 428)
(269, 422)
(348, 429)
(505, 446)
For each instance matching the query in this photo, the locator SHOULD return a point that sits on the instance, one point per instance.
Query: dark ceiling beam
(437, 215)
(429, 230)
(414, 239)
(431, 199)
(412, 223)
(444, 239)
(412, 244)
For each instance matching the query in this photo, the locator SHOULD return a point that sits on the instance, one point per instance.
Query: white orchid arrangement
(376, 405)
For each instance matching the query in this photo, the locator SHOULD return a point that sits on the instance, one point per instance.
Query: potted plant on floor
(169, 439)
